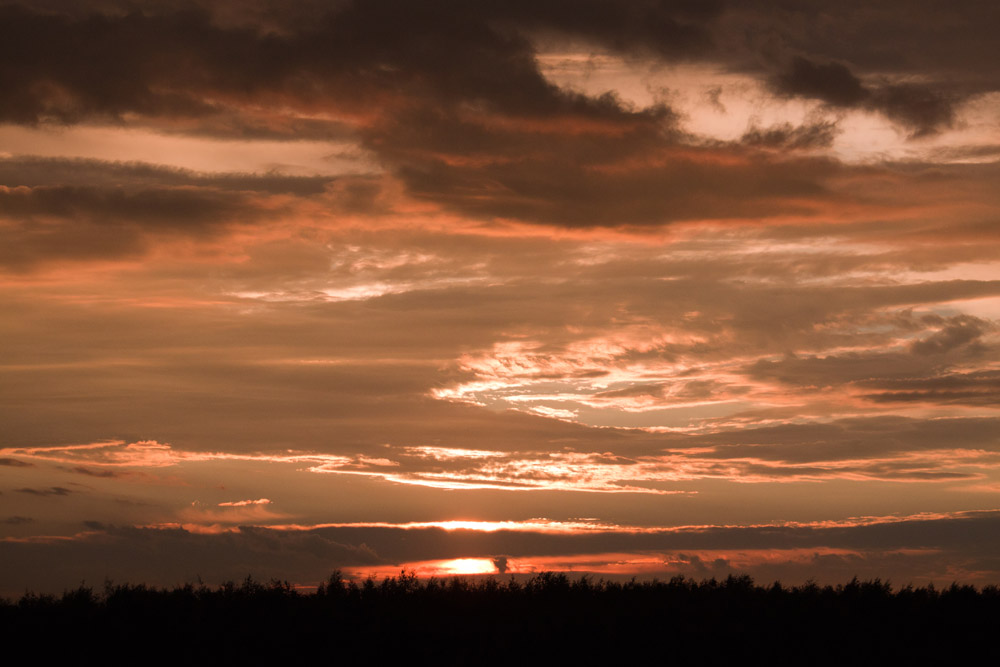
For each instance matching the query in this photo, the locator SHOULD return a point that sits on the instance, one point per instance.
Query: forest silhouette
(547, 618)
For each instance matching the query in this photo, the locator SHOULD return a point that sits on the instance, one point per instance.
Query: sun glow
(451, 567)
(467, 566)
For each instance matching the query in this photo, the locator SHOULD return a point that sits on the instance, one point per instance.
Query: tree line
(548, 617)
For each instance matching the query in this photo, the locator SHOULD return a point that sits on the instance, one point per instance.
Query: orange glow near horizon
(697, 563)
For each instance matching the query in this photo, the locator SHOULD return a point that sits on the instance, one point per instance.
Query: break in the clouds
(282, 280)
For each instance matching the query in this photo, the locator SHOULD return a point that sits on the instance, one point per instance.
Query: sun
(467, 566)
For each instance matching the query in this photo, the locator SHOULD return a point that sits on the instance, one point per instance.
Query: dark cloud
(954, 341)
(672, 29)
(15, 463)
(614, 180)
(920, 108)
(172, 556)
(94, 175)
(392, 62)
(106, 474)
(51, 491)
(483, 133)
(75, 223)
(956, 332)
(786, 136)
(850, 439)
(944, 47)
(179, 209)
(816, 372)
(832, 82)
(74, 209)
(246, 52)
(977, 388)
(500, 563)
(176, 61)
(18, 520)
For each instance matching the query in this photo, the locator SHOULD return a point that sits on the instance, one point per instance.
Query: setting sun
(458, 566)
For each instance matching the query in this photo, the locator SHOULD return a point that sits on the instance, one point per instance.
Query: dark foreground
(548, 619)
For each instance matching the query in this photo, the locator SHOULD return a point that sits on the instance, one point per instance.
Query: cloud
(852, 439)
(105, 474)
(830, 82)
(887, 448)
(14, 463)
(785, 136)
(956, 332)
(94, 176)
(903, 548)
(54, 209)
(51, 491)
(879, 60)
(18, 520)
(952, 343)
(263, 72)
(649, 182)
(171, 556)
(239, 66)
(66, 222)
(112, 453)
(242, 503)
(919, 107)
(676, 271)
(976, 388)
(227, 514)
(500, 563)
(485, 134)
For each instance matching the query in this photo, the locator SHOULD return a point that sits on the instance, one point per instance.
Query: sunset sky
(633, 288)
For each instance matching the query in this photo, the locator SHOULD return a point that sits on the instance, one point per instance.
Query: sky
(645, 288)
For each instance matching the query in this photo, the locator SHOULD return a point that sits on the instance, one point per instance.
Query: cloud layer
(645, 264)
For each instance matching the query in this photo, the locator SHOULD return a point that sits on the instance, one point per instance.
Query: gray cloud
(15, 463)
(976, 388)
(500, 562)
(956, 332)
(785, 136)
(485, 133)
(830, 82)
(17, 520)
(551, 184)
(160, 208)
(173, 556)
(79, 223)
(922, 109)
(90, 175)
(51, 491)
(106, 474)
(855, 438)
(895, 59)
(952, 342)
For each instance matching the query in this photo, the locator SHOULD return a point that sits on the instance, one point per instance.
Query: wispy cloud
(50, 491)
